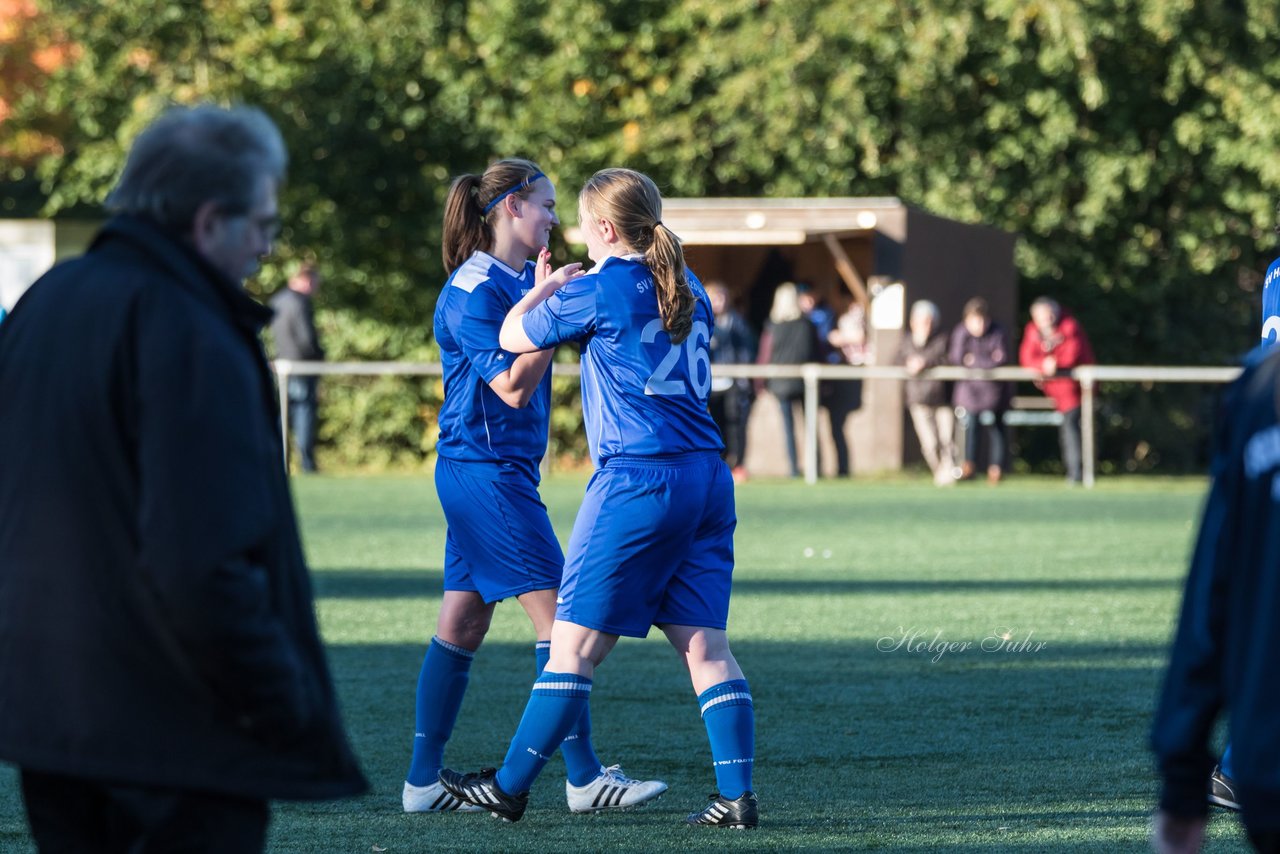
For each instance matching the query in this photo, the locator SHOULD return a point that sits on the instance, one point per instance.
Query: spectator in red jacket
(1052, 344)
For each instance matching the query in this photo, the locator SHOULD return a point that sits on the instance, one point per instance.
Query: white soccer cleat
(432, 798)
(612, 790)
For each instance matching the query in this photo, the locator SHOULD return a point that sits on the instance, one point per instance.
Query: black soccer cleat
(742, 813)
(482, 790)
(1222, 790)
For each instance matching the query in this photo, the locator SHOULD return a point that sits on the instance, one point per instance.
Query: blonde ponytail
(631, 201)
(676, 302)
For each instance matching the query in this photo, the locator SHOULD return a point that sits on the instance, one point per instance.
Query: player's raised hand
(545, 280)
(542, 267)
(512, 336)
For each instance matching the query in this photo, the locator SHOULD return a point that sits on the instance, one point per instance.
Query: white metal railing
(1088, 375)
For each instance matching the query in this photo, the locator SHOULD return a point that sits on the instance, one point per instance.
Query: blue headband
(517, 188)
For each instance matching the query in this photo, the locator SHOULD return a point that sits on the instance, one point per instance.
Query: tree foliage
(1132, 144)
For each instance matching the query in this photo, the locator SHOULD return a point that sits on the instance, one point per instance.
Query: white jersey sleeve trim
(473, 273)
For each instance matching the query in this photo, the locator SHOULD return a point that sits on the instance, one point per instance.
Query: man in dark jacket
(1226, 653)
(294, 331)
(161, 672)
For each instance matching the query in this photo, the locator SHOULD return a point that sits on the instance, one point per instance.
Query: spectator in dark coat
(929, 400)
(789, 339)
(1226, 651)
(843, 341)
(294, 329)
(980, 342)
(161, 672)
(732, 343)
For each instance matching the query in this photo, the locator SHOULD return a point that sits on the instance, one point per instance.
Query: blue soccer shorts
(652, 545)
(499, 542)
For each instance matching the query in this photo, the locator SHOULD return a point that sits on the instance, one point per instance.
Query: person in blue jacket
(1222, 780)
(1226, 652)
(653, 541)
(493, 432)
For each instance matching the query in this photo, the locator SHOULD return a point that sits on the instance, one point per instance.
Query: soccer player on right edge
(1222, 781)
(1226, 652)
(1271, 303)
(653, 541)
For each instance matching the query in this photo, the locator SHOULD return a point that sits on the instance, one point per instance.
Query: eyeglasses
(268, 226)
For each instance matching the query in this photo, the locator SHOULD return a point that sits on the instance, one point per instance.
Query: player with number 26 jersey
(1271, 306)
(653, 541)
(641, 394)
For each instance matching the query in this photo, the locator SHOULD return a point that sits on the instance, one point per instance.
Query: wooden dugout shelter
(877, 251)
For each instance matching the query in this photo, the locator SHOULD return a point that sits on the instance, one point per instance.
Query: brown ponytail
(465, 230)
(467, 227)
(631, 201)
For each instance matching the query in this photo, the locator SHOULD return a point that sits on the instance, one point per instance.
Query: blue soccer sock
(580, 760)
(1225, 765)
(555, 704)
(730, 720)
(442, 682)
(541, 655)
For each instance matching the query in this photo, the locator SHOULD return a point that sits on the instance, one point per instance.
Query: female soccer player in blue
(653, 542)
(493, 432)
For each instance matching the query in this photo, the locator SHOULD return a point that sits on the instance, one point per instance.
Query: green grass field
(860, 746)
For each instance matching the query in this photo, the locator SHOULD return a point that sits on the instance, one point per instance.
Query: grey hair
(924, 306)
(1051, 304)
(193, 155)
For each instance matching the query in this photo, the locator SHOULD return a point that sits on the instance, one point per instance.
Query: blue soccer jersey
(1271, 305)
(642, 395)
(476, 426)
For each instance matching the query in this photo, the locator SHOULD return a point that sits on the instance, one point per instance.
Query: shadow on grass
(357, 583)
(856, 749)
(745, 585)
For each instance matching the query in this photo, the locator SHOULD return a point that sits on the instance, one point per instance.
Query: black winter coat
(792, 342)
(156, 616)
